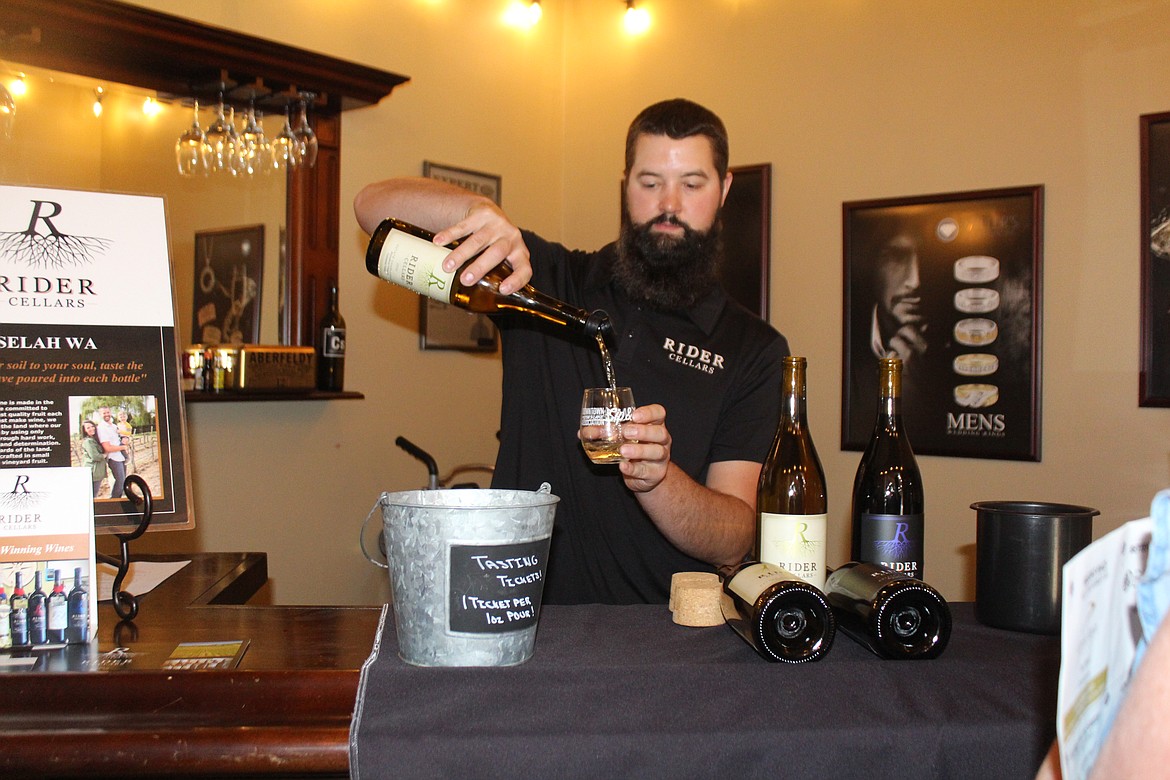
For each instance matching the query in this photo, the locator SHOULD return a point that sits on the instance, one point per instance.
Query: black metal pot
(1020, 550)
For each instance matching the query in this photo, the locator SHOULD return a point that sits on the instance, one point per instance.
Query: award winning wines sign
(47, 562)
(88, 347)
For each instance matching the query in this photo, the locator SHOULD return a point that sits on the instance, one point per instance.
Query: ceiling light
(523, 13)
(637, 20)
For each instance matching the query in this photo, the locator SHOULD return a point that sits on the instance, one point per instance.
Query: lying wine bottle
(407, 255)
(894, 615)
(780, 615)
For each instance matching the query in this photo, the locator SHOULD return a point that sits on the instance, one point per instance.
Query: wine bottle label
(894, 541)
(796, 543)
(58, 617)
(751, 581)
(333, 342)
(416, 264)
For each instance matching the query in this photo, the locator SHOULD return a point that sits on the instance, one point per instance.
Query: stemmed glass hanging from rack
(236, 162)
(306, 136)
(257, 150)
(286, 149)
(189, 151)
(217, 142)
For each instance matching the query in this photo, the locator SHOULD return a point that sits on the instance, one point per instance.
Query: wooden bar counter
(283, 711)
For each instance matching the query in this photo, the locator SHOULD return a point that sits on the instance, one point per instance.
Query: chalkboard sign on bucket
(467, 571)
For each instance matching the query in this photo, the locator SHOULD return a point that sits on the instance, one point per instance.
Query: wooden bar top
(284, 710)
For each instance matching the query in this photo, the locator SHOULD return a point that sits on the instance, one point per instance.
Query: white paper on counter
(1099, 634)
(142, 577)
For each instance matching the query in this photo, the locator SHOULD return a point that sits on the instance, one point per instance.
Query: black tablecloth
(621, 691)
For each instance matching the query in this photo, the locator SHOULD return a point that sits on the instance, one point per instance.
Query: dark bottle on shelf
(780, 615)
(18, 617)
(894, 615)
(37, 626)
(406, 255)
(5, 620)
(888, 501)
(57, 610)
(78, 609)
(331, 347)
(791, 500)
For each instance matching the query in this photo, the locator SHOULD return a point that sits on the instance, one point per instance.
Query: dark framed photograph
(1154, 380)
(950, 283)
(747, 229)
(229, 265)
(440, 325)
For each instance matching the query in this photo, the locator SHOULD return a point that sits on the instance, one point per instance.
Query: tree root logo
(18, 499)
(899, 546)
(42, 246)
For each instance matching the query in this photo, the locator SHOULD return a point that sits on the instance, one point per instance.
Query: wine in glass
(603, 411)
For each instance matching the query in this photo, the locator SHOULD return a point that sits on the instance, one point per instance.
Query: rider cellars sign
(89, 370)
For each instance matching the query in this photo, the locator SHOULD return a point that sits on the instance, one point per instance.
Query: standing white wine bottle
(407, 255)
(888, 499)
(791, 500)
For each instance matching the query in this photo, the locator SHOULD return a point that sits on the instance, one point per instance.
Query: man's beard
(669, 273)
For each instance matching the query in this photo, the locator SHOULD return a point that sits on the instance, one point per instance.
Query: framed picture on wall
(747, 230)
(228, 268)
(442, 326)
(1154, 379)
(951, 284)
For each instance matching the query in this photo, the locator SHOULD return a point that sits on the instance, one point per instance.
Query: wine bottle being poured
(405, 254)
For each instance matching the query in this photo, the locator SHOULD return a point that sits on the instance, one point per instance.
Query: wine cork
(694, 598)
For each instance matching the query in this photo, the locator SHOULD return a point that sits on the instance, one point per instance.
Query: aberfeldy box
(271, 368)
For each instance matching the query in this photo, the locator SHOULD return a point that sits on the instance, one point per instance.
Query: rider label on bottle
(795, 543)
(416, 264)
(894, 541)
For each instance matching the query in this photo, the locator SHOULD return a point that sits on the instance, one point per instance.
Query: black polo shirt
(716, 369)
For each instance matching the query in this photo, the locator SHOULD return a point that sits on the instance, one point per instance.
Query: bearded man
(684, 498)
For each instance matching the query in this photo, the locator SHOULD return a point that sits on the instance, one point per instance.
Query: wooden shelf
(193, 396)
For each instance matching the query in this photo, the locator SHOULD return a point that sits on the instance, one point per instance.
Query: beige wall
(847, 100)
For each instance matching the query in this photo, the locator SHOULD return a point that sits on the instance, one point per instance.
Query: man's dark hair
(679, 118)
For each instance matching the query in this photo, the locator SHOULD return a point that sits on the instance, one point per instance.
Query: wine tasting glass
(603, 410)
(189, 151)
(307, 137)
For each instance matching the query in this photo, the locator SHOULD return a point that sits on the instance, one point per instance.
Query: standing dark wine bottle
(405, 254)
(791, 500)
(5, 620)
(894, 615)
(331, 347)
(37, 624)
(57, 616)
(78, 606)
(780, 615)
(18, 614)
(888, 502)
